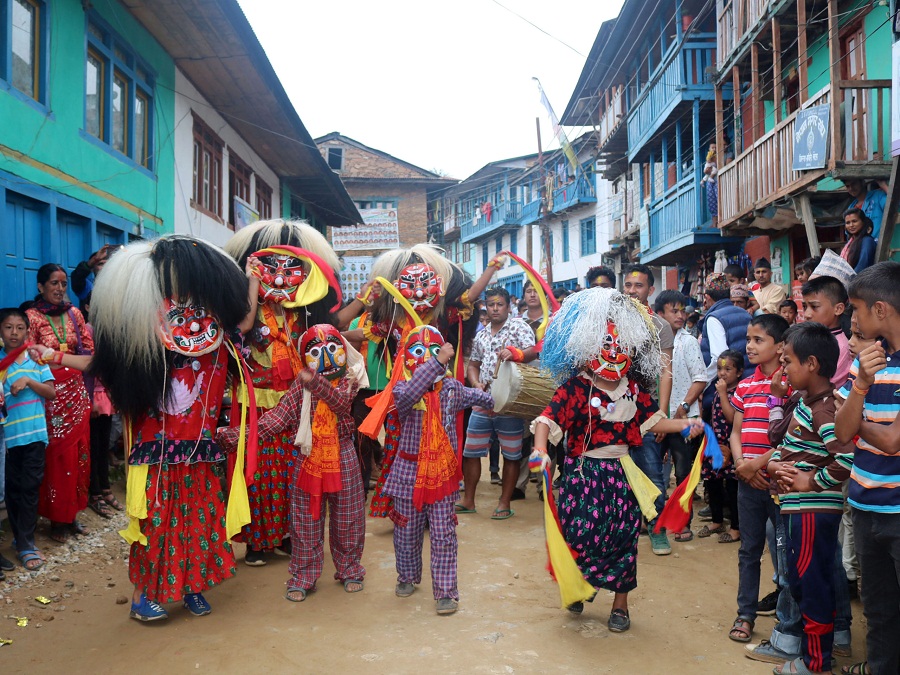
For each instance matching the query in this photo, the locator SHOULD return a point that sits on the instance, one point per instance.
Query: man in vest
(724, 326)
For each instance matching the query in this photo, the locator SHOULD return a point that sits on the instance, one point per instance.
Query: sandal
(59, 534)
(347, 583)
(726, 538)
(99, 506)
(861, 668)
(740, 634)
(31, 560)
(502, 514)
(707, 531)
(684, 536)
(302, 591)
(795, 667)
(111, 500)
(80, 529)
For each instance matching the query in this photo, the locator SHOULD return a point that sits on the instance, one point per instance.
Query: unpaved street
(509, 620)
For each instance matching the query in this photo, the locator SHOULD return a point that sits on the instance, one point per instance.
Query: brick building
(376, 180)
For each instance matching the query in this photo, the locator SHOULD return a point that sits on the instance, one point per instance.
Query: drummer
(503, 332)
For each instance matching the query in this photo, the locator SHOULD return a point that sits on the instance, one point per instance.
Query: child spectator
(735, 275)
(788, 311)
(740, 296)
(751, 452)
(692, 324)
(722, 485)
(825, 301)
(810, 466)
(871, 411)
(804, 268)
(859, 250)
(25, 386)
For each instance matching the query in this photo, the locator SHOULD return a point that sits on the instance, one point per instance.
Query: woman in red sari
(56, 324)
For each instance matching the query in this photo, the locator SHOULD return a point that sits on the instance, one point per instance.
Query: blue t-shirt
(874, 484)
(25, 420)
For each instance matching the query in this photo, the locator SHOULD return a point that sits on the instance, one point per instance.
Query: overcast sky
(444, 85)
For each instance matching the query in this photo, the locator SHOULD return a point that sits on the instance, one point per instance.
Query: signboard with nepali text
(379, 231)
(811, 138)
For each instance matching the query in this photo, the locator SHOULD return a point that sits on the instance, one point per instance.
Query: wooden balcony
(762, 174)
(531, 212)
(737, 20)
(612, 122)
(682, 77)
(578, 192)
(502, 215)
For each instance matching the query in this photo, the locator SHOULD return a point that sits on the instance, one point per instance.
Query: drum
(521, 390)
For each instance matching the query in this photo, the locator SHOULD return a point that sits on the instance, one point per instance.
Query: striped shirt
(811, 444)
(875, 479)
(750, 399)
(25, 422)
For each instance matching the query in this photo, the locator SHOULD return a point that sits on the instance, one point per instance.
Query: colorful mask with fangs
(322, 349)
(188, 329)
(423, 343)
(280, 276)
(612, 362)
(421, 285)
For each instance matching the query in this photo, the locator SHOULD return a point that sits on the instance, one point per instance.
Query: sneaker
(447, 606)
(659, 543)
(768, 653)
(766, 606)
(495, 478)
(6, 564)
(705, 514)
(147, 610)
(404, 590)
(196, 604)
(254, 558)
(576, 607)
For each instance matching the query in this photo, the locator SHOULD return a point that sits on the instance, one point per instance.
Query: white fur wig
(280, 232)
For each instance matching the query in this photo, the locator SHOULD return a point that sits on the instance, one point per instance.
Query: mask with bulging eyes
(280, 276)
(421, 285)
(612, 362)
(423, 343)
(188, 329)
(322, 349)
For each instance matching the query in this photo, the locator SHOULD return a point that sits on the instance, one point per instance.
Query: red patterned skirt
(67, 468)
(270, 493)
(382, 504)
(187, 549)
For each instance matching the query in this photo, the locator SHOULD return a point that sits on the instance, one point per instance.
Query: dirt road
(509, 619)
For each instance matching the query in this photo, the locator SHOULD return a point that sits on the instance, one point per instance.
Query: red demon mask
(322, 349)
(421, 285)
(423, 343)
(612, 362)
(279, 278)
(189, 329)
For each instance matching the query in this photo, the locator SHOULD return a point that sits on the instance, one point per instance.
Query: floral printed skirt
(187, 550)
(601, 521)
(270, 493)
(382, 504)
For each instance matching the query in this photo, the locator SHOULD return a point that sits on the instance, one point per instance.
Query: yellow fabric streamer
(693, 480)
(400, 300)
(314, 287)
(237, 514)
(572, 585)
(135, 494)
(643, 488)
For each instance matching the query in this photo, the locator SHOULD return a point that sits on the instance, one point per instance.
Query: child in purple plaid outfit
(424, 360)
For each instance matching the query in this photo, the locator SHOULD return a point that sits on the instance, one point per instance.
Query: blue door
(74, 239)
(23, 239)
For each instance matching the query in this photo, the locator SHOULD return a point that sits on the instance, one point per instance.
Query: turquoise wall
(53, 135)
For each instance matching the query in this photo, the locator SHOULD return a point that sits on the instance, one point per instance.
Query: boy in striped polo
(872, 411)
(751, 452)
(810, 466)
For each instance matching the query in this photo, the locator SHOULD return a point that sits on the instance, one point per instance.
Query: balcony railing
(762, 173)
(735, 19)
(504, 213)
(686, 70)
(577, 192)
(531, 212)
(613, 116)
(676, 214)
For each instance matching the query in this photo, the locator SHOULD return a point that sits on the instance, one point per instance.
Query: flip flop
(684, 536)
(302, 591)
(726, 538)
(347, 582)
(30, 556)
(459, 508)
(498, 514)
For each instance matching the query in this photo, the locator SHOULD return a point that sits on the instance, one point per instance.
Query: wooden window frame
(239, 176)
(207, 141)
(263, 199)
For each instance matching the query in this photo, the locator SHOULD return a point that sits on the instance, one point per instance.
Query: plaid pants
(409, 535)
(346, 528)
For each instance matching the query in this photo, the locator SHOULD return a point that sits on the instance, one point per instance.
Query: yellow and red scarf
(438, 473)
(320, 472)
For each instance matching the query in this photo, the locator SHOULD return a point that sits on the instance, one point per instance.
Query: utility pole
(546, 198)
